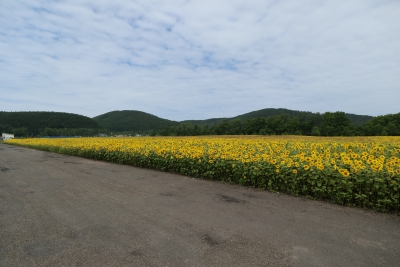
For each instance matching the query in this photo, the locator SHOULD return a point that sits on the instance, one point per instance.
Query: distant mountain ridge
(137, 121)
(35, 121)
(357, 120)
(133, 120)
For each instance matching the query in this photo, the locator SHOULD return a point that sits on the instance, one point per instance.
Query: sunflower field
(353, 171)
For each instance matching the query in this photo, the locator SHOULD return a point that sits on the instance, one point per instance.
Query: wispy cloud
(200, 59)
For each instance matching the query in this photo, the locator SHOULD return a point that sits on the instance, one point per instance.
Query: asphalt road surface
(58, 210)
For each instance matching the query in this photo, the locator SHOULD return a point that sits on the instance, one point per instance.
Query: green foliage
(336, 124)
(277, 122)
(33, 123)
(302, 123)
(131, 120)
(382, 125)
(301, 116)
(358, 120)
(263, 132)
(268, 112)
(266, 121)
(315, 131)
(68, 132)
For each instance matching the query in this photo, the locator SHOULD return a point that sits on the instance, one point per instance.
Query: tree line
(326, 124)
(29, 124)
(25, 132)
(23, 124)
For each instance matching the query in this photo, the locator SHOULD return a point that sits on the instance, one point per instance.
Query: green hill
(382, 125)
(142, 122)
(208, 122)
(132, 120)
(59, 123)
(34, 122)
(251, 115)
(357, 120)
(267, 112)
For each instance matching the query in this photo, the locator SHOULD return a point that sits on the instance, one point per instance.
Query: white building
(6, 136)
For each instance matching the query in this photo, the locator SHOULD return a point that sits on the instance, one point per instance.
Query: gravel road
(58, 210)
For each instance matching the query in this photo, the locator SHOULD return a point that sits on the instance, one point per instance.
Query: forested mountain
(33, 123)
(265, 121)
(132, 120)
(382, 125)
(267, 112)
(303, 123)
(207, 122)
(251, 115)
(357, 120)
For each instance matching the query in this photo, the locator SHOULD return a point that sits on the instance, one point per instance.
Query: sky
(200, 59)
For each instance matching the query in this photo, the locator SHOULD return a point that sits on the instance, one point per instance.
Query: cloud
(200, 59)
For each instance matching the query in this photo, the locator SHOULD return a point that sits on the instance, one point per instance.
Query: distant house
(6, 136)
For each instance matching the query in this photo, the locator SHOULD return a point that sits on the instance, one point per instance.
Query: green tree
(222, 128)
(206, 130)
(391, 129)
(389, 124)
(235, 127)
(197, 130)
(20, 132)
(333, 123)
(315, 131)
